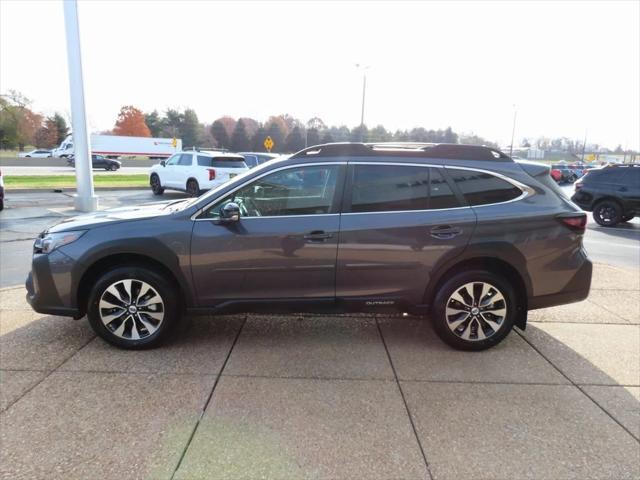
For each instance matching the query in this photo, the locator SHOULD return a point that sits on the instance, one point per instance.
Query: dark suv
(463, 233)
(612, 193)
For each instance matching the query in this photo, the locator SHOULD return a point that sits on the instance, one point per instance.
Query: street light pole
(513, 130)
(364, 91)
(85, 199)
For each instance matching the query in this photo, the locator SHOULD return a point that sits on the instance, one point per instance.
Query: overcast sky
(568, 67)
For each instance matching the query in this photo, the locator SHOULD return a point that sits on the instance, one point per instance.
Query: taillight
(577, 222)
(212, 173)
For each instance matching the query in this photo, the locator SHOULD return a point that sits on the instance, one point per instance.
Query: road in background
(61, 162)
(57, 170)
(27, 214)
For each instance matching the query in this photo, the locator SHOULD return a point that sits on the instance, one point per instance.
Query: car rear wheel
(156, 186)
(193, 189)
(474, 310)
(607, 213)
(113, 168)
(132, 307)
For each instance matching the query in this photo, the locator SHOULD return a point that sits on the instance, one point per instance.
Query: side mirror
(230, 213)
(163, 163)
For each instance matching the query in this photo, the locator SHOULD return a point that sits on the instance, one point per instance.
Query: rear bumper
(575, 291)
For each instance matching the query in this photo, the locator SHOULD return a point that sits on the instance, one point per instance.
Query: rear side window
(388, 188)
(221, 162)
(481, 188)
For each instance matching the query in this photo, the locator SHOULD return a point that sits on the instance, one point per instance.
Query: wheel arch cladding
(118, 259)
(509, 263)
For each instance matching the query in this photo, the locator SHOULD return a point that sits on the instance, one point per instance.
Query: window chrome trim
(198, 212)
(526, 190)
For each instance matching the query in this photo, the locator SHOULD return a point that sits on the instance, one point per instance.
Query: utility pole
(85, 198)
(513, 130)
(364, 91)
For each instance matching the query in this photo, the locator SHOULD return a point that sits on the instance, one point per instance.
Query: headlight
(48, 242)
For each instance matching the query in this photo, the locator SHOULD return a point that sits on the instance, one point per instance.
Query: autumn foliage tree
(131, 123)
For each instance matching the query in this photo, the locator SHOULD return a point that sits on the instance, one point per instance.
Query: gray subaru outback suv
(461, 233)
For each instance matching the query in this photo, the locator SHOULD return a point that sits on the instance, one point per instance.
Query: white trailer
(115, 146)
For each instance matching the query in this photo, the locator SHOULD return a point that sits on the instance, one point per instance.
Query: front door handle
(445, 232)
(317, 236)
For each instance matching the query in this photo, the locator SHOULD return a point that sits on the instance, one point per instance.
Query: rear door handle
(318, 236)
(444, 232)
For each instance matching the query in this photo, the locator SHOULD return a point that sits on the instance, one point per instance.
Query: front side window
(480, 188)
(173, 160)
(295, 191)
(388, 188)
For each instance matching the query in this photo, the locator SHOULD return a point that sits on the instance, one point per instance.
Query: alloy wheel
(476, 311)
(131, 309)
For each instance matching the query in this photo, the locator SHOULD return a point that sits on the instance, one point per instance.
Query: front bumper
(575, 291)
(49, 285)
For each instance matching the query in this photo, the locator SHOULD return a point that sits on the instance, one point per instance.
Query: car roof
(214, 153)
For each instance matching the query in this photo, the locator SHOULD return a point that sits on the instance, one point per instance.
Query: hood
(113, 215)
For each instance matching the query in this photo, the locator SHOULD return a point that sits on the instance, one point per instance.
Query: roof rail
(411, 149)
(210, 149)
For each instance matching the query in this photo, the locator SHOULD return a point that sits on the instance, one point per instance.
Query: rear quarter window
(221, 162)
(480, 188)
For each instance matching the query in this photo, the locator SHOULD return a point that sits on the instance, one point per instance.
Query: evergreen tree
(313, 137)
(239, 140)
(327, 138)
(154, 122)
(257, 141)
(219, 133)
(294, 141)
(190, 129)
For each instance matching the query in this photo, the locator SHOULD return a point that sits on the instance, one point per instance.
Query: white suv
(193, 172)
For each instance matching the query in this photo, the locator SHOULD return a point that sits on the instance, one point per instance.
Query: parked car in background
(460, 232)
(196, 171)
(36, 154)
(563, 174)
(612, 193)
(98, 161)
(253, 159)
(1, 191)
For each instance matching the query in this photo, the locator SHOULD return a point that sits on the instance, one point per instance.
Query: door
(399, 222)
(283, 246)
(168, 174)
(183, 170)
(98, 161)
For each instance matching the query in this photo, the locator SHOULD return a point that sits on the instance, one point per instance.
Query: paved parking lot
(326, 397)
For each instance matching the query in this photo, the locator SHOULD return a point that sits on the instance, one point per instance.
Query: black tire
(163, 288)
(1, 204)
(627, 218)
(193, 189)
(607, 213)
(156, 186)
(455, 284)
(113, 168)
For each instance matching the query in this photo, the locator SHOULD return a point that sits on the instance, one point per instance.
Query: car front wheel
(474, 310)
(607, 213)
(133, 307)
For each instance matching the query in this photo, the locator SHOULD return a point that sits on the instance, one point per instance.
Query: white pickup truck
(116, 146)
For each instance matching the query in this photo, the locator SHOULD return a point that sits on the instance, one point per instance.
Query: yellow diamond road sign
(268, 143)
